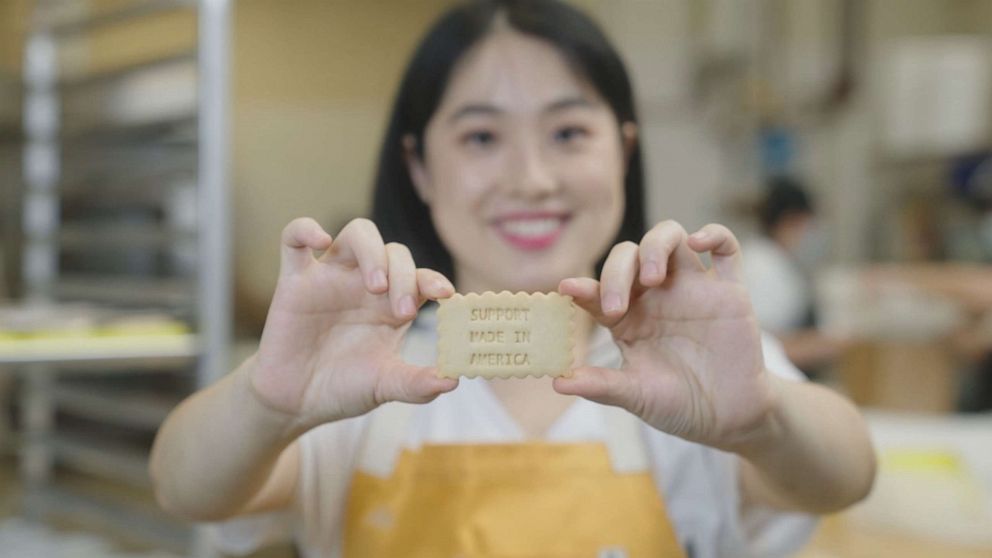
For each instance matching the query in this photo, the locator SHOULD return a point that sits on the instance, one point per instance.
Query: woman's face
(523, 168)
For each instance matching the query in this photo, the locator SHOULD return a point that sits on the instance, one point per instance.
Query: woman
(777, 272)
(512, 163)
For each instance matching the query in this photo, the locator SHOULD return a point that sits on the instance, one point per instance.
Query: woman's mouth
(531, 232)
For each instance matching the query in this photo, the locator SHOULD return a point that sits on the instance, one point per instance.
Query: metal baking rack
(125, 207)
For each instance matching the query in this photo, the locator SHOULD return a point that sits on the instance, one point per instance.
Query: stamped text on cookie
(505, 335)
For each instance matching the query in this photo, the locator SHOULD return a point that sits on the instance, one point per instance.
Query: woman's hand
(330, 346)
(692, 356)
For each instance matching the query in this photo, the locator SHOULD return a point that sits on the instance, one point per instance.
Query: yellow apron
(544, 500)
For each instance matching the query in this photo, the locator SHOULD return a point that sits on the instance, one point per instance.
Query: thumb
(400, 381)
(602, 385)
(585, 293)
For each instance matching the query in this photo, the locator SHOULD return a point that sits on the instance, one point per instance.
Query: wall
(12, 18)
(312, 85)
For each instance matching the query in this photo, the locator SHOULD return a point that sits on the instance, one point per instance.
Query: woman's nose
(530, 174)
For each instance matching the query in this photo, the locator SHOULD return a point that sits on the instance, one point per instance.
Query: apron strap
(384, 438)
(624, 440)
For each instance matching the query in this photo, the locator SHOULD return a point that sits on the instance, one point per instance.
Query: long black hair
(397, 210)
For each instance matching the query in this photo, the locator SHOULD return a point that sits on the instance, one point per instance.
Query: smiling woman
(511, 162)
(522, 167)
(498, 125)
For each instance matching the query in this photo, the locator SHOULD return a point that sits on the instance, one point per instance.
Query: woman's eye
(480, 138)
(569, 134)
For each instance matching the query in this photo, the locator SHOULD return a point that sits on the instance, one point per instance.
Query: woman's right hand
(330, 348)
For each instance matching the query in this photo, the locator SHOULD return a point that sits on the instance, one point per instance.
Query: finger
(412, 384)
(403, 292)
(602, 385)
(299, 239)
(724, 249)
(433, 285)
(662, 247)
(617, 279)
(359, 243)
(585, 293)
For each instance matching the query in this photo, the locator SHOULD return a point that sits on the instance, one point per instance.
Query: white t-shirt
(780, 294)
(699, 484)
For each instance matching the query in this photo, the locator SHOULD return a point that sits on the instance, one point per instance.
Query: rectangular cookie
(505, 335)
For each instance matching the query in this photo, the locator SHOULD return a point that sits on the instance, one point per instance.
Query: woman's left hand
(692, 356)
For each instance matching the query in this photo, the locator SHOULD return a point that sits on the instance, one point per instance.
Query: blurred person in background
(778, 266)
(512, 162)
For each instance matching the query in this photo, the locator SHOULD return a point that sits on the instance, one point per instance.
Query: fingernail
(701, 235)
(611, 303)
(407, 306)
(440, 287)
(379, 279)
(651, 270)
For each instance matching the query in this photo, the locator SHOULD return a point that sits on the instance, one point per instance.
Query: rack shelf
(67, 350)
(64, 26)
(180, 127)
(140, 524)
(129, 165)
(77, 236)
(127, 290)
(110, 78)
(101, 458)
(143, 409)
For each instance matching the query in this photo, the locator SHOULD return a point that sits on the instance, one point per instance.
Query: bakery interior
(151, 151)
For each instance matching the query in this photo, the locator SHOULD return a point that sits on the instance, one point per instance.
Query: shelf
(56, 350)
(136, 524)
(69, 86)
(127, 407)
(99, 237)
(137, 193)
(130, 159)
(101, 458)
(137, 9)
(111, 174)
(164, 93)
(180, 127)
(129, 134)
(150, 292)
